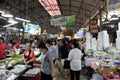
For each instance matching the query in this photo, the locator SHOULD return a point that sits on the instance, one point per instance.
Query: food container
(106, 71)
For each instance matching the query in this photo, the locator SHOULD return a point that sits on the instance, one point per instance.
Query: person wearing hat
(3, 49)
(47, 65)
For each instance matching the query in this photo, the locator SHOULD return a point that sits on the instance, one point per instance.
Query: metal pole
(100, 20)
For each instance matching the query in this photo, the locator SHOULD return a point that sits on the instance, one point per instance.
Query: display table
(18, 69)
(32, 74)
(14, 73)
(13, 77)
(98, 62)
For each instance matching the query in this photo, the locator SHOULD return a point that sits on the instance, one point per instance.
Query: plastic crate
(106, 71)
(116, 77)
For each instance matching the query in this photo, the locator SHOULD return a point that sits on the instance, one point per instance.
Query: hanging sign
(93, 26)
(32, 29)
(66, 21)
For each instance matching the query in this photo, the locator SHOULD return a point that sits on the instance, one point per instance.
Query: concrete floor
(60, 77)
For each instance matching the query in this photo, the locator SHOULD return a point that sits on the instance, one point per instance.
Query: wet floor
(60, 77)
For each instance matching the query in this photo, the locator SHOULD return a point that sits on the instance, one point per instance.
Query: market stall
(13, 68)
(20, 72)
(102, 61)
(105, 66)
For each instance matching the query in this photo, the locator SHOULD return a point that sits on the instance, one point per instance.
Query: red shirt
(32, 55)
(3, 47)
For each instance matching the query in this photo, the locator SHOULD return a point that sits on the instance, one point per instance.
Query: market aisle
(60, 77)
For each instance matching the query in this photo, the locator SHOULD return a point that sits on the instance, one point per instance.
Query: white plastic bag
(97, 77)
(54, 78)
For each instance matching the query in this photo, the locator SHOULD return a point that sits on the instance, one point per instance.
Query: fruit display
(16, 56)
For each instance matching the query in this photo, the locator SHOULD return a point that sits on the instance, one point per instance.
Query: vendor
(47, 65)
(29, 55)
(3, 48)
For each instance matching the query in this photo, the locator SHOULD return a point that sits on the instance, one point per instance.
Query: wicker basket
(106, 71)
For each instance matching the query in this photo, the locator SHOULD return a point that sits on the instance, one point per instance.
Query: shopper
(47, 65)
(29, 55)
(51, 48)
(74, 57)
(67, 41)
(3, 48)
(63, 55)
(35, 43)
(54, 44)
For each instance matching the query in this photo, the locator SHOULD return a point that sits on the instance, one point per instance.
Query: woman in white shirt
(74, 57)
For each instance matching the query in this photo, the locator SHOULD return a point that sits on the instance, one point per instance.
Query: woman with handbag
(63, 55)
(74, 57)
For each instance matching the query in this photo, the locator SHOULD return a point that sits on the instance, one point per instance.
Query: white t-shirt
(75, 56)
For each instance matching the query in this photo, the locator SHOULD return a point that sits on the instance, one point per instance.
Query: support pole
(100, 20)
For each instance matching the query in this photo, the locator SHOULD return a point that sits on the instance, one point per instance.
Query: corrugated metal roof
(33, 10)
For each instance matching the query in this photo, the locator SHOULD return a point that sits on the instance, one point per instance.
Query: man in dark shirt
(63, 55)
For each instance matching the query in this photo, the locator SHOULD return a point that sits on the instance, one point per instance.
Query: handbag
(66, 64)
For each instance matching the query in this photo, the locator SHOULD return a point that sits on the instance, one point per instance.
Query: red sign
(93, 26)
